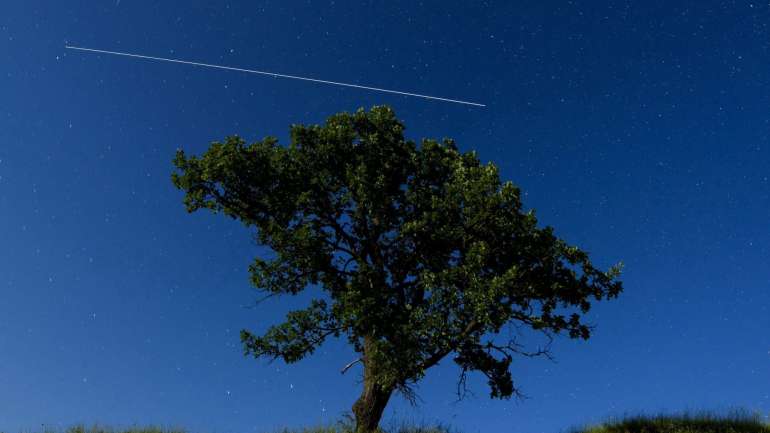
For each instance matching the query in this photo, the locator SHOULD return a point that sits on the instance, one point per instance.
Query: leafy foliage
(421, 250)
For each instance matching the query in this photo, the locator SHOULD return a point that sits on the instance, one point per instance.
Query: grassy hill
(342, 427)
(739, 422)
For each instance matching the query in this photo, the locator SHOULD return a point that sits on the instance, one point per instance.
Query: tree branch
(438, 356)
(350, 364)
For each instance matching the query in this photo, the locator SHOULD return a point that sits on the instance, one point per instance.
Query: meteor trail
(273, 74)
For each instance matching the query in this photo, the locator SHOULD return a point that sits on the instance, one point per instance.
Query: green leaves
(473, 357)
(303, 331)
(421, 250)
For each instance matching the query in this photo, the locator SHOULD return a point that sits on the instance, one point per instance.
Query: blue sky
(638, 129)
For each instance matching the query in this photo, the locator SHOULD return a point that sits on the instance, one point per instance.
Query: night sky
(639, 130)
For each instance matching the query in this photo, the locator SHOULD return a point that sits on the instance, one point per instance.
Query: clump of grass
(80, 428)
(346, 429)
(347, 425)
(318, 429)
(703, 422)
(422, 428)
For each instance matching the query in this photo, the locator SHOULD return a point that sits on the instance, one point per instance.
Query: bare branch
(462, 385)
(512, 347)
(409, 394)
(350, 364)
(260, 300)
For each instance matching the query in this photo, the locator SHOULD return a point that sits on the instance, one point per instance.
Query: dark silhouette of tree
(420, 251)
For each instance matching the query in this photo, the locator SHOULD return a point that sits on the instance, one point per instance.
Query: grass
(104, 429)
(340, 427)
(733, 422)
(706, 422)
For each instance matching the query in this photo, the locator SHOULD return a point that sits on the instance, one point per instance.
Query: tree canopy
(420, 251)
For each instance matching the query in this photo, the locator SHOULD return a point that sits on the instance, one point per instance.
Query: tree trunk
(369, 407)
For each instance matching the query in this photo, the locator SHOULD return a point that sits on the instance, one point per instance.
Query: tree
(419, 251)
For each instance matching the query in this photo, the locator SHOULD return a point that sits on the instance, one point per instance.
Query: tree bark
(369, 407)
